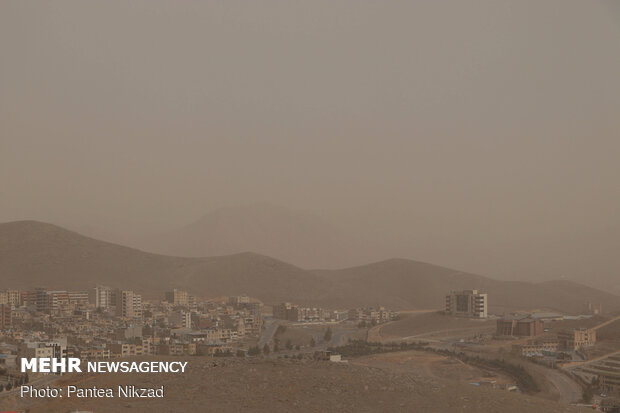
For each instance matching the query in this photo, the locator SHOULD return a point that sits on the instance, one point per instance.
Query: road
(569, 390)
(574, 364)
(606, 323)
(267, 335)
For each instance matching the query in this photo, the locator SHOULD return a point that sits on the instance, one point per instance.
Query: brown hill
(413, 284)
(39, 254)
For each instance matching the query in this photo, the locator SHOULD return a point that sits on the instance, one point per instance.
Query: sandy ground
(236, 385)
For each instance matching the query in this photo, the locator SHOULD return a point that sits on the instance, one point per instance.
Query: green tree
(240, 353)
(289, 344)
(587, 395)
(266, 349)
(312, 342)
(26, 378)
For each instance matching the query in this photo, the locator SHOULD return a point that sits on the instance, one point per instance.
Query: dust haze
(479, 135)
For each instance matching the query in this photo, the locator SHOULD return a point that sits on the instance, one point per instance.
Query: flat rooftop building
(520, 327)
(467, 303)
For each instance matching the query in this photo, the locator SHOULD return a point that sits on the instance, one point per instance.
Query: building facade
(467, 303)
(524, 327)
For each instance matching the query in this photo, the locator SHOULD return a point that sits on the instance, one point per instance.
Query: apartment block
(14, 298)
(128, 304)
(467, 303)
(177, 297)
(6, 319)
(286, 311)
(104, 297)
(577, 338)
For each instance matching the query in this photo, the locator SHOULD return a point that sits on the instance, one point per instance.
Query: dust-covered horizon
(482, 136)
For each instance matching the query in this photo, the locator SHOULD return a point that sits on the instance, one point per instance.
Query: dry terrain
(234, 385)
(432, 325)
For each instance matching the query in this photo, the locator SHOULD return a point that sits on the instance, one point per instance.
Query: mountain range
(40, 254)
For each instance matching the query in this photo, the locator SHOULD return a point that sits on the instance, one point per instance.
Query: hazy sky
(479, 134)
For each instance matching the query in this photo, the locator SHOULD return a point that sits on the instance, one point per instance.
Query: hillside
(38, 254)
(413, 284)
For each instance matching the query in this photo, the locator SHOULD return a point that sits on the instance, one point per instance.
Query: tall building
(104, 297)
(14, 298)
(78, 298)
(286, 311)
(467, 303)
(5, 316)
(44, 300)
(239, 300)
(128, 304)
(177, 297)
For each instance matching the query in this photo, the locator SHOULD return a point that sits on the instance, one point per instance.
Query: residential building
(467, 303)
(180, 319)
(286, 311)
(128, 304)
(6, 319)
(577, 338)
(177, 297)
(370, 315)
(13, 298)
(535, 348)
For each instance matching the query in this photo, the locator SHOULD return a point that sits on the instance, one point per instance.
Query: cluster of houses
(297, 313)
(118, 323)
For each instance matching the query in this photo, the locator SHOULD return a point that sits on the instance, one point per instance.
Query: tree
(1, 388)
(276, 347)
(297, 347)
(266, 349)
(26, 378)
(289, 344)
(9, 386)
(587, 395)
(328, 334)
(312, 342)
(240, 353)
(253, 351)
